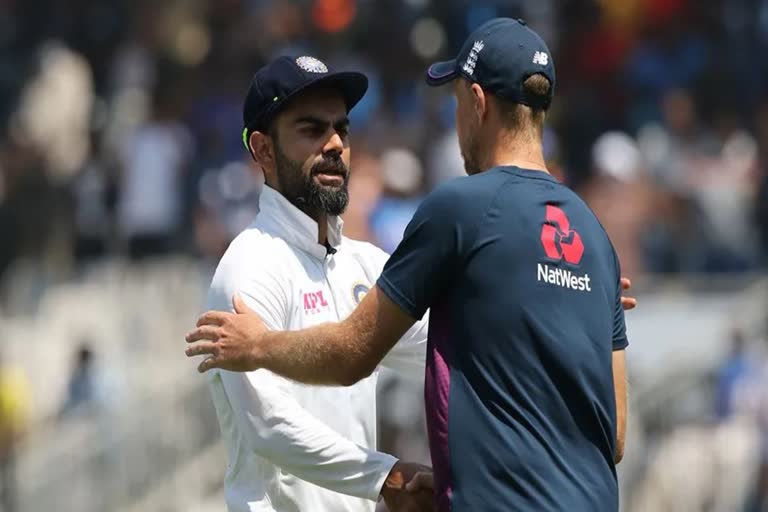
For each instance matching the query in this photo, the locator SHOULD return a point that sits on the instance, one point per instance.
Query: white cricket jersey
(290, 446)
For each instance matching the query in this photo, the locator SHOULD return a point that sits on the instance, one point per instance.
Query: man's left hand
(230, 340)
(627, 302)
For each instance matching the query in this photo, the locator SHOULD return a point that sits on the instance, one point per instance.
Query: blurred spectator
(55, 109)
(709, 180)
(402, 176)
(734, 377)
(154, 160)
(14, 401)
(621, 196)
(679, 148)
(726, 190)
(761, 215)
(670, 56)
(761, 196)
(7, 227)
(365, 188)
(81, 391)
(91, 191)
(28, 202)
(227, 204)
(760, 495)
(445, 160)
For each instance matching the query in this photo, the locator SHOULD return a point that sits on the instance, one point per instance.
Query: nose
(334, 145)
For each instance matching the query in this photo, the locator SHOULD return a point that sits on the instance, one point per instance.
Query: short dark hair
(519, 116)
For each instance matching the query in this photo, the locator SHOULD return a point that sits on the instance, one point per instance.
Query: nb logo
(559, 240)
(541, 58)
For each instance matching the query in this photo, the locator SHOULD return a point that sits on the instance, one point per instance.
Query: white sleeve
(408, 356)
(276, 427)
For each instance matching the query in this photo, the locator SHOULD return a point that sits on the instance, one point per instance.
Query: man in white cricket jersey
(293, 447)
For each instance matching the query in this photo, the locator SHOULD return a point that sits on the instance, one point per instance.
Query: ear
(263, 151)
(480, 101)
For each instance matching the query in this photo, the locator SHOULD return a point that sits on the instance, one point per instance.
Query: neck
(509, 150)
(320, 218)
(322, 228)
(322, 224)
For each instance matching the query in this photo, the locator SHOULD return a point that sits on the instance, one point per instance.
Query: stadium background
(123, 177)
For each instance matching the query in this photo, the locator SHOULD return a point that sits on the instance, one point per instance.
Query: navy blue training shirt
(524, 290)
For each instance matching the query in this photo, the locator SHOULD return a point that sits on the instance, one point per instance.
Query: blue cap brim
(353, 85)
(441, 73)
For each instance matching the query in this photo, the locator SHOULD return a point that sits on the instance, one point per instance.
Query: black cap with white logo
(499, 56)
(280, 80)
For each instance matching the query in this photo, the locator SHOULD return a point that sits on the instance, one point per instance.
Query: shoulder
(365, 249)
(254, 254)
(368, 254)
(462, 200)
(254, 244)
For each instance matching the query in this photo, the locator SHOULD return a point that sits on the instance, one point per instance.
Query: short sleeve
(620, 341)
(430, 254)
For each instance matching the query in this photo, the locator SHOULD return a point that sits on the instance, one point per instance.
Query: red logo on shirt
(314, 301)
(558, 239)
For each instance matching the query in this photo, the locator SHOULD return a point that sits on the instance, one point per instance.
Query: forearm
(328, 354)
(620, 388)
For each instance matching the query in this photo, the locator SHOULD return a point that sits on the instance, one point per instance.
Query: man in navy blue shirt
(525, 389)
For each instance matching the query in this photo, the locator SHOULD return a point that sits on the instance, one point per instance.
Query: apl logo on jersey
(561, 242)
(314, 302)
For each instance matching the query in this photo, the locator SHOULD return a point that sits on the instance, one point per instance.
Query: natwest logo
(563, 278)
(558, 239)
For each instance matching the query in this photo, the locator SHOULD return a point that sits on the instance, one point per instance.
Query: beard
(303, 190)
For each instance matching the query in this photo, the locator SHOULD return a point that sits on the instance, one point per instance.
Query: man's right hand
(398, 498)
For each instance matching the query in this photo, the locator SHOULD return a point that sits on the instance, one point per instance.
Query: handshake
(408, 488)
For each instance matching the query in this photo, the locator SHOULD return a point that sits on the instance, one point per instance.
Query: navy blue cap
(499, 56)
(280, 80)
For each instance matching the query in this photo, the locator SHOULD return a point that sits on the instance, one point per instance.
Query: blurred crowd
(120, 121)
(715, 455)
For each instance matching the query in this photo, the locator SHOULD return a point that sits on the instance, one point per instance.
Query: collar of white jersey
(295, 226)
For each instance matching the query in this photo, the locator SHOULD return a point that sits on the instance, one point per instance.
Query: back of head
(513, 65)
(524, 120)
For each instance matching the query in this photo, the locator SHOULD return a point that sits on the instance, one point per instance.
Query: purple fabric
(433, 75)
(436, 387)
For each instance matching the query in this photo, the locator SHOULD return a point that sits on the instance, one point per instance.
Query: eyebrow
(339, 123)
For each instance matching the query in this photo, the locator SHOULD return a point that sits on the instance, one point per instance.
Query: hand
(231, 340)
(421, 480)
(627, 302)
(401, 499)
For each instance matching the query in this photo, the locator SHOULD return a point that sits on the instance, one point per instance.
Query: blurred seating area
(116, 418)
(113, 409)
